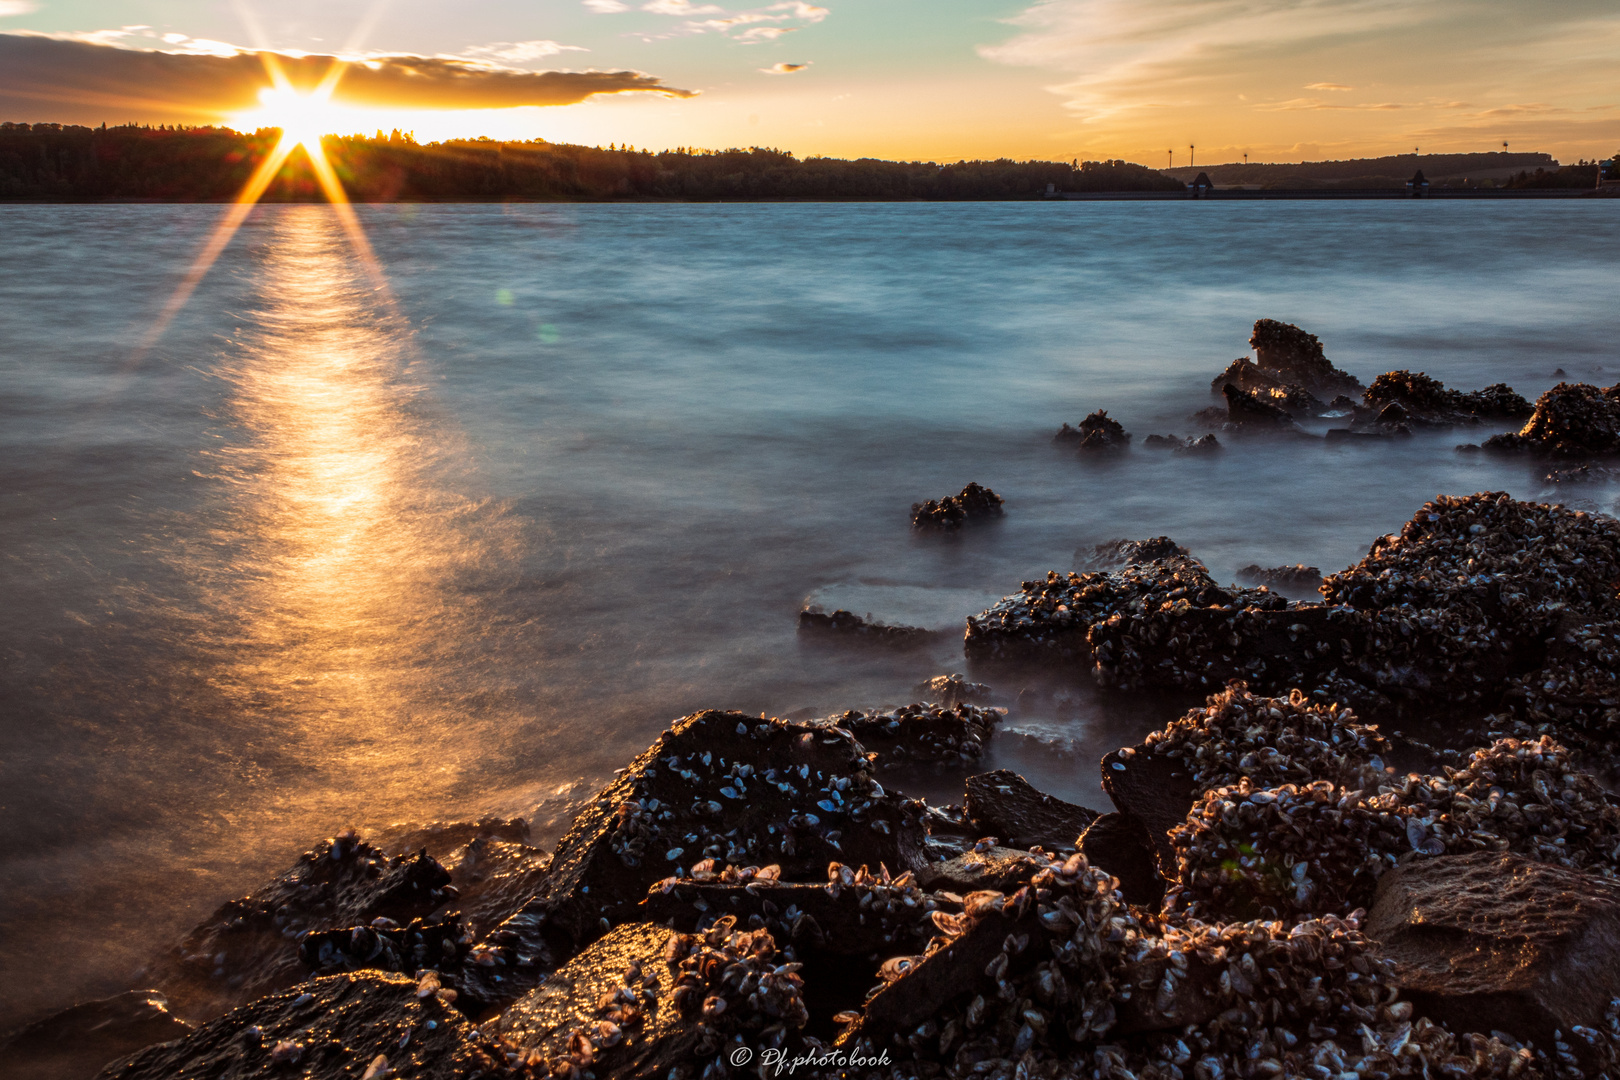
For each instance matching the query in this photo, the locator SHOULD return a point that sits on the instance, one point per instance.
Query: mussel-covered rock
(363, 1026)
(953, 689)
(1117, 553)
(1297, 576)
(80, 1039)
(1571, 420)
(1097, 432)
(1296, 401)
(924, 733)
(846, 626)
(1427, 401)
(424, 944)
(1495, 941)
(644, 1001)
(1251, 412)
(973, 503)
(1295, 358)
(248, 947)
(1005, 805)
(744, 790)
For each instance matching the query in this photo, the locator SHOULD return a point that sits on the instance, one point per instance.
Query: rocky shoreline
(1381, 847)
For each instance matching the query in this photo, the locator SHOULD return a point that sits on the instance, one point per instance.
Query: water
(461, 532)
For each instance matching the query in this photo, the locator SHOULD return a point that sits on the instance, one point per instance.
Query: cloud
(1312, 104)
(764, 33)
(1328, 86)
(518, 52)
(606, 7)
(83, 78)
(681, 7)
(17, 7)
(775, 13)
(784, 69)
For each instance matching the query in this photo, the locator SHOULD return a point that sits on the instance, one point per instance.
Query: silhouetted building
(1418, 184)
(1201, 185)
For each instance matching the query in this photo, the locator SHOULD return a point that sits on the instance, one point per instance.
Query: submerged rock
(1495, 941)
(1005, 805)
(344, 1027)
(77, 1041)
(923, 733)
(644, 1000)
(1206, 444)
(725, 786)
(844, 625)
(1570, 420)
(1097, 432)
(953, 689)
(974, 503)
(1297, 576)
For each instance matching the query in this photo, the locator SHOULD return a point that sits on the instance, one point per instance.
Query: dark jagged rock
(1119, 844)
(442, 839)
(987, 866)
(1153, 791)
(1245, 374)
(644, 1000)
(1005, 805)
(1175, 444)
(1491, 940)
(718, 785)
(493, 878)
(953, 689)
(1097, 432)
(1571, 420)
(1118, 553)
(248, 946)
(1427, 400)
(924, 733)
(843, 625)
(1581, 474)
(1295, 357)
(1297, 576)
(335, 1028)
(1296, 401)
(425, 944)
(974, 503)
(1246, 410)
(77, 1041)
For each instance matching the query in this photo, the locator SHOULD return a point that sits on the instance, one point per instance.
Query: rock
(1571, 420)
(743, 790)
(1245, 374)
(1096, 432)
(1297, 576)
(1207, 444)
(333, 1028)
(426, 944)
(1490, 940)
(1246, 410)
(1119, 844)
(989, 866)
(443, 839)
(247, 947)
(1118, 553)
(1005, 805)
(1581, 474)
(846, 626)
(78, 1040)
(1294, 357)
(952, 690)
(1427, 400)
(493, 878)
(644, 1001)
(1296, 401)
(1175, 444)
(1155, 793)
(923, 733)
(953, 511)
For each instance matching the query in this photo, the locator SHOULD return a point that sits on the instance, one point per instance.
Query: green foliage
(52, 161)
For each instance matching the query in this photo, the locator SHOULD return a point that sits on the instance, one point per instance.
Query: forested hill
(1368, 172)
(53, 161)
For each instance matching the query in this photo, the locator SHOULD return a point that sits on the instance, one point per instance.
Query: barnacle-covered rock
(248, 946)
(1571, 420)
(644, 1000)
(1294, 357)
(1097, 432)
(923, 733)
(342, 1027)
(741, 789)
(81, 1038)
(1005, 805)
(1495, 941)
(953, 690)
(974, 503)
(1114, 554)
(1427, 400)
(846, 626)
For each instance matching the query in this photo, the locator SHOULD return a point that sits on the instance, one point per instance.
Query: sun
(302, 118)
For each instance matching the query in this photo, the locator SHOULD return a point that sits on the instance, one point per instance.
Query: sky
(937, 80)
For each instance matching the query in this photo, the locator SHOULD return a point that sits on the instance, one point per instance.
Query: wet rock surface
(335, 1028)
(954, 689)
(1205, 444)
(1098, 432)
(1497, 941)
(77, 1041)
(1427, 402)
(847, 627)
(1297, 576)
(1005, 805)
(1249, 411)
(973, 503)
(1117, 553)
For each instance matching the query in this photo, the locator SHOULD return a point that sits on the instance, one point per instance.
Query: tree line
(64, 162)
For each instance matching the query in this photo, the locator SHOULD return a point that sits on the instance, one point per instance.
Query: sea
(432, 512)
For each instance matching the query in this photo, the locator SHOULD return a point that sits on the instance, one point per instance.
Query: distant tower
(1169, 159)
(1190, 161)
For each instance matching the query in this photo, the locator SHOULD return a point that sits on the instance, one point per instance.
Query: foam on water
(313, 563)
